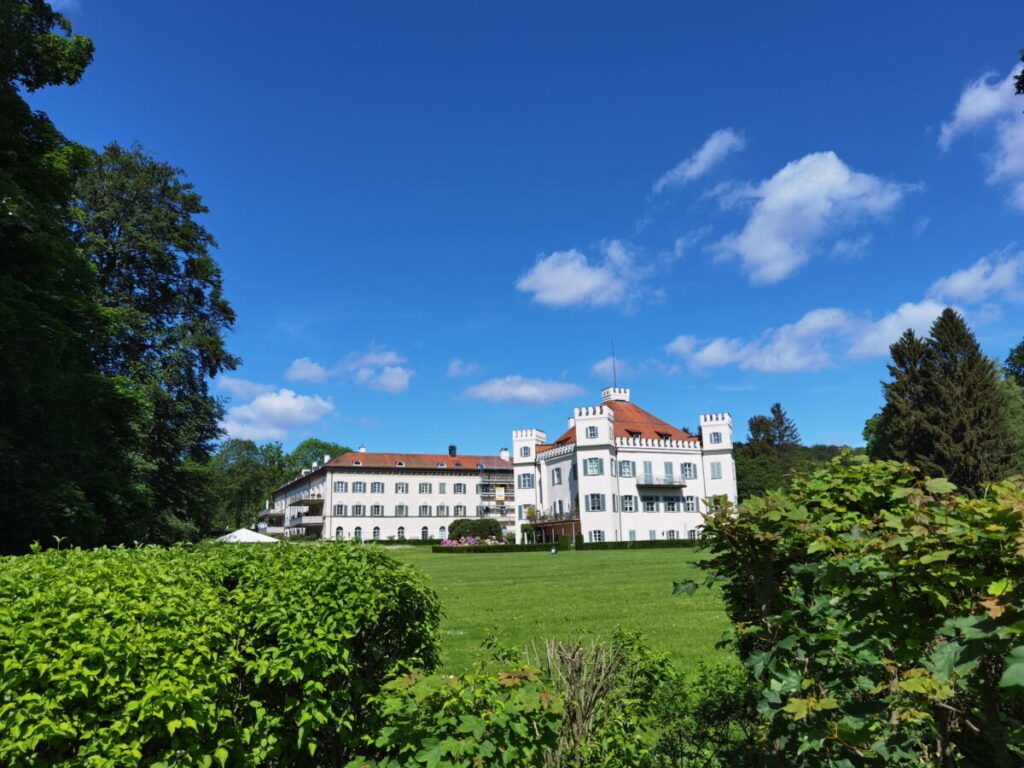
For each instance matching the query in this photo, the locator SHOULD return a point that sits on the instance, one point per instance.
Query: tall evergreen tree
(772, 449)
(1013, 366)
(946, 408)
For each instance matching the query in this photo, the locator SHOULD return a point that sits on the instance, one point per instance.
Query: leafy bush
(649, 544)
(493, 550)
(876, 608)
(477, 527)
(486, 718)
(241, 655)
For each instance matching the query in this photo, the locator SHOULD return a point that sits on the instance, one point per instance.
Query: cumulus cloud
(989, 277)
(378, 368)
(716, 148)
(242, 389)
(568, 278)
(798, 206)
(516, 389)
(991, 102)
(457, 368)
(271, 415)
(305, 369)
(799, 346)
(875, 338)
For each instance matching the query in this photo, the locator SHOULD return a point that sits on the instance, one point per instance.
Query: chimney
(452, 450)
(503, 454)
(327, 457)
(362, 449)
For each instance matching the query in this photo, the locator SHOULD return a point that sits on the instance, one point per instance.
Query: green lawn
(535, 595)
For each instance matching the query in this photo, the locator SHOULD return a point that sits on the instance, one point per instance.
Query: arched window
(442, 532)
(339, 532)
(357, 534)
(376, 533)
(401, 532)
(424, 533)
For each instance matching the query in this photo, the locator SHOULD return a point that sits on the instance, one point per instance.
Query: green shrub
(238, 655)
(648, 544)
(876, 608)
(488, 549)
(563, 542)
(485, 718)
(478, 527)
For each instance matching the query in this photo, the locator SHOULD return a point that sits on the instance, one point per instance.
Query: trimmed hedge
(655, 544)
(496, 549)
(227, 654)
(396, 542)
(658, 544)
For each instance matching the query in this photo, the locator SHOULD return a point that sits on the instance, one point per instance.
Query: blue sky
(434, 217)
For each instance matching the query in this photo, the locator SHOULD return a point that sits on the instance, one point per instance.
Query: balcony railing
(660, 480)
(301, 521)
(271, 513)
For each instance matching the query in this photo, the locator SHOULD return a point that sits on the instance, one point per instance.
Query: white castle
(619, 473)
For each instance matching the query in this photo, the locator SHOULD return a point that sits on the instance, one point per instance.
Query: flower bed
(473, 541)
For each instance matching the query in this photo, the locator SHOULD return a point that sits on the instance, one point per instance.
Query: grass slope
(528, 596)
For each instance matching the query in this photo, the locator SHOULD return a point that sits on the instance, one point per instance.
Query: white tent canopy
(244, 535)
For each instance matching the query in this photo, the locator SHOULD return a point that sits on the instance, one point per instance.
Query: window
(459, 488)
(460, 510)
(479, 511)
(593, 467)
(401, 487)
(561, 507)
(688, 471)
(652, 535)
(359, 487)
(442, 532)
(629, 503)
(357, 463)
(442, 510)
(522, 511)
(594, 502)
(424, 510)
(377, 510)
(401, 531)
(525, 451)
(690, 504)
(591, 432)
(479, 488)
(525, 480)
(424, 533)
(634, 434)
(401, 511)
(441, 465)
(399, 463)
(650, 503)
(693, 533)
(358, 510)
(648, 472)
(376, 487)
(376, 533)
(357, 533)
(716, 438)
(671, 504)
(340, 486)
(716, 470)
(339, 532)
(632, 535)
(340, 510)
(668, 470)
(671, 534)
(556, 476)
(442, 487)
(425, 488)
(596, 537)
(627, 468)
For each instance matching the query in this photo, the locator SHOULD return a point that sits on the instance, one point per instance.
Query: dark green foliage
(771, 450)
(243, 476)
(244, 654)
(1013, 367)
(490, 549)
(563, 542)
(489, 717)
(580, 546)
(477, 527)
(312, 450)
(648, 544)
(945, 409)
(875, 608)
(1020, 77)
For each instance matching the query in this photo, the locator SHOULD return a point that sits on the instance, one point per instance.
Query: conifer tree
(899, 430)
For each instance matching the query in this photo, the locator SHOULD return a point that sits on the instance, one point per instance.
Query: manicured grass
(517, 598)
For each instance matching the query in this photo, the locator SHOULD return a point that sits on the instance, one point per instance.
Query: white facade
(392, 496)
(625, 474)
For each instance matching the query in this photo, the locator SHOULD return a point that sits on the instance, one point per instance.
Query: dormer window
(458, 463)
(357, 463)
(634, 434)
(399, 463)
(479, 466)
(441, 465)
(664, 436)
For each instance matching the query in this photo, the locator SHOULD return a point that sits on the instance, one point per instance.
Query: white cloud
(719, 144)
(991, 101)
(851, 249)
(999, 276)
(516, 389)
(567, 278)
(271, 415)
(799, 346)
(242, 388)
(610, 368)
(797, 206)
(875, 338)
(457, 368)
(305, 369)
(378, 368)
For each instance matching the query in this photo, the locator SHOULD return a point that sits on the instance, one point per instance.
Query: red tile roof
(631, 421)
(416, 461)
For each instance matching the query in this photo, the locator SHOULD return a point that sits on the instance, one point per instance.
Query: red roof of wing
(416, 461)
(632, 421)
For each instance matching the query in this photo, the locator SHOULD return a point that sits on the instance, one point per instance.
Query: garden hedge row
(655, 544)
(230, 655)
(659, 544)
(495, 549)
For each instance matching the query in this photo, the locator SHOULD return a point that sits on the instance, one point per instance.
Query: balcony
(306, 521)
(265, 513)
(656, 481)
(312, 500)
